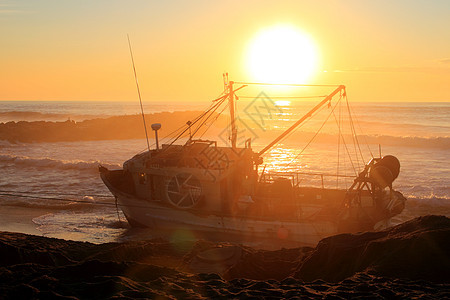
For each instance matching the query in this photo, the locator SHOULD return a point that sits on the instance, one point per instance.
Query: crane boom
(301, 120)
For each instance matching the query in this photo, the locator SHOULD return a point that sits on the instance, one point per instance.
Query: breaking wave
(441, 142)
(431, 200)
(424, 205)
(16, 116)
(410, 141)
(56, 204)
(54, 163)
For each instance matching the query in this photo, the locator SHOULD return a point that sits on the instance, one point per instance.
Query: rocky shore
(411, 260)
(112, 128)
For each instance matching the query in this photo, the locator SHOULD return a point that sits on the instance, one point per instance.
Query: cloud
(441, 65)
(10, 9)
(395, 69)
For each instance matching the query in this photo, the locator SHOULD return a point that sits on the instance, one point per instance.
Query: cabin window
(142, 178)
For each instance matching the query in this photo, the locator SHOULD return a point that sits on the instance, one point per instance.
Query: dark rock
(418, 249)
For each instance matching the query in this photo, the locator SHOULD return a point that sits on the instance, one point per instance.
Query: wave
(15, 116)
(424, 205)
(51, 205)
(54, 163)
(56, 201)
(430, 200)
(130, 127)
(410, 141)
(388, 140)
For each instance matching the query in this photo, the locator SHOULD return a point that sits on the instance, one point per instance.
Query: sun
(281, 54)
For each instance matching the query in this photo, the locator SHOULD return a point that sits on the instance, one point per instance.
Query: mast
(139, 93)
(232, 116)
(309, 114)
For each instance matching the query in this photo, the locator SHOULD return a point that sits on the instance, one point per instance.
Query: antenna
(139, 93)
(232, 112)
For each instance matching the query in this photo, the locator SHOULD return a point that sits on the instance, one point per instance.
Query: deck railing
(297, 177)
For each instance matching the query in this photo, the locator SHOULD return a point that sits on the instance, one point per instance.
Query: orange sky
(72, 50)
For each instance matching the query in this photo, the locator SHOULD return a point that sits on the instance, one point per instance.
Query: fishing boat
(203, 186)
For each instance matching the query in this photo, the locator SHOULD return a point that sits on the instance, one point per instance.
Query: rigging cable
(339, 141)
(346, 148)
(64, 194)
(286, 97)
(286, 84)
(363, 134)
(166, 137)
(354, 132)
(295, 130)
(111, 204)
(219, 101)
(214, 120)
(197, 119)
(18, 194)
(212, 111)
(323, 124)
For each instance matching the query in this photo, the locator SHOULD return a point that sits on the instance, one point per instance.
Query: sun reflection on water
(316, 166)
(283, 103)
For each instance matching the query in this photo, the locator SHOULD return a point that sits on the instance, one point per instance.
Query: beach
(16, 219)
(224, 150)
(63, 237)
(407, 261)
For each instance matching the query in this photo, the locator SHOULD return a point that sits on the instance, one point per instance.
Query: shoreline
(381, 264)
(20, 220)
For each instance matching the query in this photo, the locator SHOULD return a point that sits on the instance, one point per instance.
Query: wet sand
(20, 219)
(411, 260)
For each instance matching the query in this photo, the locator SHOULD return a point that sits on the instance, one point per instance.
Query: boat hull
(158, 217)
(270, 233)
(162, 217)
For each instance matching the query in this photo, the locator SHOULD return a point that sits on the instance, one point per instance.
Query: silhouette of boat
(204, 187)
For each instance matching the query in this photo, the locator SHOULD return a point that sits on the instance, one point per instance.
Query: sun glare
(281, 54)
(282, 103)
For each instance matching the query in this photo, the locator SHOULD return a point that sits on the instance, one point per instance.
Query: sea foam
(54, 163)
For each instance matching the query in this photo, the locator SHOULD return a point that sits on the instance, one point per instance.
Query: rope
(354, 132)
(363, 134)
(167, 137)
(295, 130)
(117, 209)
(339, 140)
(63, 194)
(286, 84)
(215, 104)
(215, 119)
(285, 97)
(346, 148)
(110, 204)
(323, 124)
(18, 194)
(212, 111)
(100, 203)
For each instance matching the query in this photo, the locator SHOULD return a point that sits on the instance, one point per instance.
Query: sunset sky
(381, 50)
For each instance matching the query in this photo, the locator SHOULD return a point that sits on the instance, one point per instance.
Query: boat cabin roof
(203, 154)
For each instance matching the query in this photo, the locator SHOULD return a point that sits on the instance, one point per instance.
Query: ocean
(62, 177)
